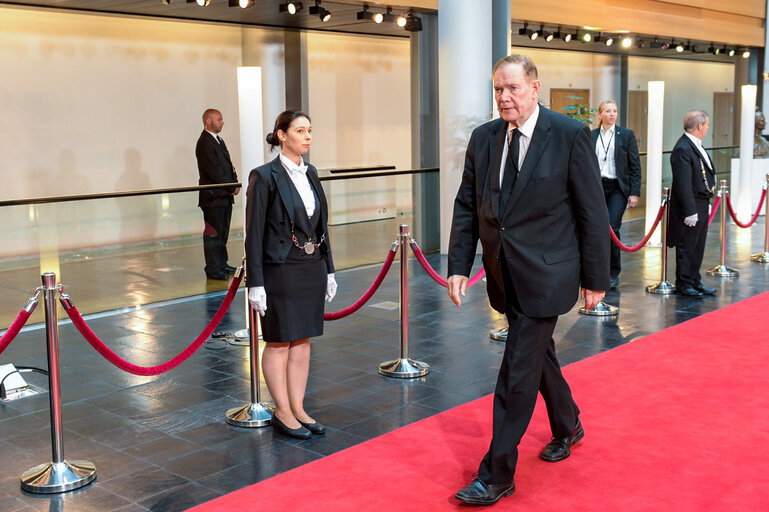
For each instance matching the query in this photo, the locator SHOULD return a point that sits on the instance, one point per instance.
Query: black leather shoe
(481, 493)
(315, 428)
(560, 448)
(218, 276)
(614, 282)
(689, 291)
(705, 290)
(229, 269)
(298, 433)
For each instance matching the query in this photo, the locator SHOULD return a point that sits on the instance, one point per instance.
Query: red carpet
(677, 421)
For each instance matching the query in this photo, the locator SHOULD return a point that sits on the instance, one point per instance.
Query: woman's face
(608, 115)
(296, 141)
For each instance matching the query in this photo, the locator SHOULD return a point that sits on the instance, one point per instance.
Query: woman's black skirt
(296, 291)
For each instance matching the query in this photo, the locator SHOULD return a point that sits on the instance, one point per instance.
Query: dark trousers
(691, 247)
(616, 203)
(529, 365)
(215, 235)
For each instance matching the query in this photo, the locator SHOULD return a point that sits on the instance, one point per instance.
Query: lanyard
(605, 146)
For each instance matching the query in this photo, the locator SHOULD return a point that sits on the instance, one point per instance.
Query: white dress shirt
(215, 136)
(526, 129)
(604, 150)
(698, 144)
(298, 175)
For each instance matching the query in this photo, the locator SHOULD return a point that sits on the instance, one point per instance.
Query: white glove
(691, 220)
(330, 288)
(257, 297)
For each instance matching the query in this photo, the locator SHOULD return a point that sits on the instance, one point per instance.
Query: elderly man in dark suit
(215, 166)
(531, 192)
(694, 180)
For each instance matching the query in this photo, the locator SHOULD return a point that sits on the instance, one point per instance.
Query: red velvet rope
(366, 296)
(121, 363)
(13, 330)
(755, 215)
(436, 277)
(713, 210)
(645, 239)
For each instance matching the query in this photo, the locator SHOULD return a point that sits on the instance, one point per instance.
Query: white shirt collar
(527, 128)
(609, 130)
(696, 140)
(214, 135)
(291, 166)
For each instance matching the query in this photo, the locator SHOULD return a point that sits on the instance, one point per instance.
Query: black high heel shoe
(298, 433)
(315, 428)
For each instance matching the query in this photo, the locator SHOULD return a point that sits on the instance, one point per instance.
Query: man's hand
(632, 201)
(691, 220)
(237, 191)
(457, 285)
(592, 298)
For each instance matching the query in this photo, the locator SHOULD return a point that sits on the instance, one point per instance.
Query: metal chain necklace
(705, 179)
(308, 247)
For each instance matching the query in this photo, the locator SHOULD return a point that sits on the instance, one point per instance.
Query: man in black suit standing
(620, 165)
(531, 193)
(694, 181)
(215, 166)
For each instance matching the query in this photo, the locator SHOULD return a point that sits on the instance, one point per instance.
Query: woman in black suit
(289, 269)
(620, 164)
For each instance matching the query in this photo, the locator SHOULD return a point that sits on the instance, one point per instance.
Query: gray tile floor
(161, 443)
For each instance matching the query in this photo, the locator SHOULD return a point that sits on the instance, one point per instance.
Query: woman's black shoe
(316, 428)
(298, 433)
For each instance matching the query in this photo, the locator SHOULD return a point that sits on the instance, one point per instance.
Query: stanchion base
(762, 257)
(498, 334)
(243, 334)
(601, 309)
(53, 477)
(723, 271)
(662, 288)
(404, 368)
(250, 415)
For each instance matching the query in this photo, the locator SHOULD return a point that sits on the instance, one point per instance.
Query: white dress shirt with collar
(298, 175)
(698, 143)
(604, 150)
(526, 129)
(215, 136)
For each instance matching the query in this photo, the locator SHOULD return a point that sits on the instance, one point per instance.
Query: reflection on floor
(161, 443)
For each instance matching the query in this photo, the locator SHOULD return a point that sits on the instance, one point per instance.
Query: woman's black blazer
(270, 209)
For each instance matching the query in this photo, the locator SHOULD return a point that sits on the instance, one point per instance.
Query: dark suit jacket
(214, 166)
(555, 228)
(687, 162)
(270, 209)
(626, 160)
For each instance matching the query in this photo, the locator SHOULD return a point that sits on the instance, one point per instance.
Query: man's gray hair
(529, 68)
(694, 118)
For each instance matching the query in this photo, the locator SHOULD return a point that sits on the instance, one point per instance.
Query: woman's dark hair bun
(272, 140)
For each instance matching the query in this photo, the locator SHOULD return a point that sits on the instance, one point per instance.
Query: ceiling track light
(413, 22)
(401, 20)
(243, 4)
(321, 12)
(731, 52)
(389, 16)
(609, 40)
(290, 7)
(560, 34)
(165, 2)
(526, 31)
(544, 34)
(745, 53)
(201, 3)
(627, 42)
(365, 14)
(587, 37)
(679, 47)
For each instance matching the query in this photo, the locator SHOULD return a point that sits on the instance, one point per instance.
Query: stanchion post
(254, 414)
(59, 475)
(763, 257)
(721, 270)
(664, 287)
(403, 367)
(499, 334)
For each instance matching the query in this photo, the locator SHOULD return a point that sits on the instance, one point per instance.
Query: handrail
(362, 169)
(176, 190)
(715, 148)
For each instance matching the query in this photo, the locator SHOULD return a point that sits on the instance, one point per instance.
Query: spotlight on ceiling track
(365, 14)
(731, 52)
(243, 4)
(321, 12)
(413, 22)
(715, 50)
(655, 44)
(627, 42)
(680, 47)
(389, 16)
(290, 7)
(561, 34)
(544, 34)
(587, 37)
(201, 3)
(745, 53)
(401, 21)
(526, 31)
(165, 2)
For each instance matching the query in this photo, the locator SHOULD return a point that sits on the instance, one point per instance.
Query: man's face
(760, 122)
(516, 95)
(215, 122)
(702, 129)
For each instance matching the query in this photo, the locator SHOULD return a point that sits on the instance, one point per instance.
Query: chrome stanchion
(763, 257)
(664, 287)
(59, 475)
(721, 270)
(254, 414)
(499, 334)
(600, 309)
(403, 367)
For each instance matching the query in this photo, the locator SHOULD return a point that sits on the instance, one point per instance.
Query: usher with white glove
(257, 297)
(691, 220)
(330, 288)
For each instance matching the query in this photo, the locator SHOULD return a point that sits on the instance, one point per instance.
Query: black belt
(608, 180)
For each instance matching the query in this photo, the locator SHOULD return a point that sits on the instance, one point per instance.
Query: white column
(740, 191)
(464, 85)
(654, 157)
(606, 79)
(250, 117)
